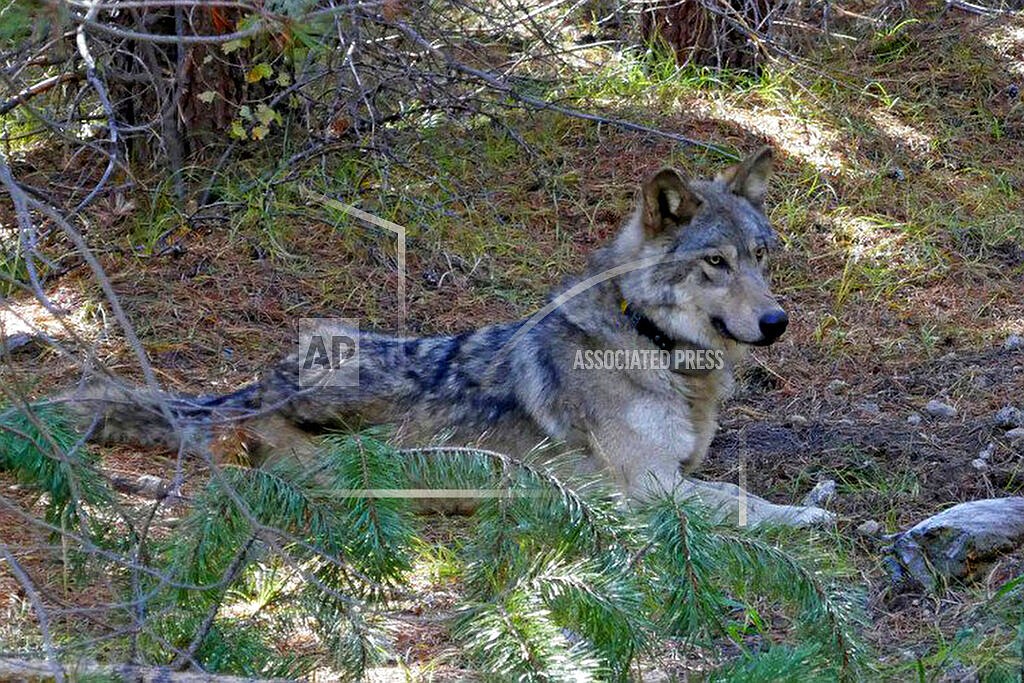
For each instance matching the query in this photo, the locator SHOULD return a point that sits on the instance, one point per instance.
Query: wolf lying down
(684, 279)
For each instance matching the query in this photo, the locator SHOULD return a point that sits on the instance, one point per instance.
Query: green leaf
(265, 115)
(234, 45)
(259, 72)
(207, 97)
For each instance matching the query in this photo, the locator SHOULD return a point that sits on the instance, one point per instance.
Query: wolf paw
(793, 515)
(814, 516)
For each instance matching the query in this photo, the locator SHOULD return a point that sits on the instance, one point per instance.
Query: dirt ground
(903, 274)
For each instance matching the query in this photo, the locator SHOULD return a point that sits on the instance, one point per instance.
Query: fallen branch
(39, 88)
(981, 10)
(501, 86)
(32, 670)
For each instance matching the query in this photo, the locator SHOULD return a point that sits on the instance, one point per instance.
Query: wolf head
(702, 248)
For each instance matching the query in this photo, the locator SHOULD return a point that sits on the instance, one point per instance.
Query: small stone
(1015, 435)
(822, 494)
(1009, 417)
(896, 173)
(871, 408)
(979, 464)
(150, 486)
(986, 452)
(869, 528)
(836, 386)
(1014, 342)
(939, 409)
(914, 419)
(797, 420)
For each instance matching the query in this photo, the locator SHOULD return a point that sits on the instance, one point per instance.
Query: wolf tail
(109, 412)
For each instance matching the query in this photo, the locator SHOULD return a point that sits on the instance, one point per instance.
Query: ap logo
(328, 352)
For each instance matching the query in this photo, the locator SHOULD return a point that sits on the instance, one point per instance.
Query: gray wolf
(687, 271)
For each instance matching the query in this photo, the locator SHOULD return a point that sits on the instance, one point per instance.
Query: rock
(797, 420)
(896, 173)
(937, 408)
(1014, 342)
(22, 342)
(957, 542)
(145, 485)
(914, 419)
(822, 494)
(1009, 417)
(1015, 435)
(151, 487)
(987, 452)
(979, 464)
(870, 408)
(869, 528)
(836, 386)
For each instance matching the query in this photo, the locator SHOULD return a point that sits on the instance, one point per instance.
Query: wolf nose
(772, 325)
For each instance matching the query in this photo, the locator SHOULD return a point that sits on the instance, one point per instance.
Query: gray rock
(1015, 435)
(987, 452)
(869, 528)
(22, 342)
(150, 486)
(871, 408)
(937, 408)
(957, 542)
(1009, 417)
(797, 420)
(836, 386)
(979, 464)
(822, 494)
(1014, 342)
(914, 419)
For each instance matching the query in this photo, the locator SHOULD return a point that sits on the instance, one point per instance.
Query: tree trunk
(718, 33)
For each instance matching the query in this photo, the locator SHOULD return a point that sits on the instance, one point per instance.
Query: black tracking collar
(646, 327)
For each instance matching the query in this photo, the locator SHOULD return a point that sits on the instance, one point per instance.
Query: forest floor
(899, 196)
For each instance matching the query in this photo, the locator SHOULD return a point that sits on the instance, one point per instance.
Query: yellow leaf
(259, 72)
(266, 115)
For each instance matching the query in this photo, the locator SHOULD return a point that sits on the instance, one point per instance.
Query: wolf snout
(772, 324)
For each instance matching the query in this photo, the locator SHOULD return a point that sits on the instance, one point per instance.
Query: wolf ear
(749, 178)
(667, 202)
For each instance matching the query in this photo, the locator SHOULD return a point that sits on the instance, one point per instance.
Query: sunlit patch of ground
(898, 195)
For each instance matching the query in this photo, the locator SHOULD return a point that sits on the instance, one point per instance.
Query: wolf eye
(715, 260)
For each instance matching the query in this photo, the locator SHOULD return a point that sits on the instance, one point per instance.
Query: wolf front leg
(730, 503)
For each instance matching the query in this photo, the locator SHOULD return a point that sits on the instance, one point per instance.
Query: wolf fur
(691, 258)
